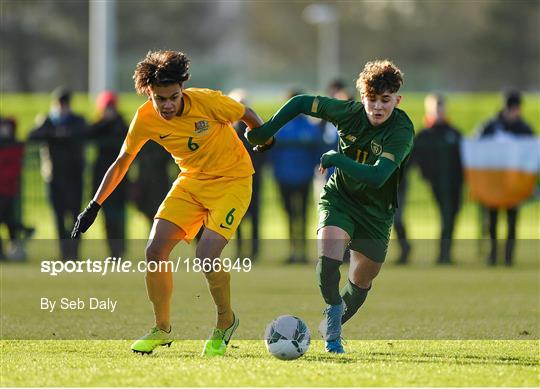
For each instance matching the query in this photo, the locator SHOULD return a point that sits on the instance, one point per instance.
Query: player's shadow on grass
(330, 358)
(169, 354)
(458, 359)
(311, 357)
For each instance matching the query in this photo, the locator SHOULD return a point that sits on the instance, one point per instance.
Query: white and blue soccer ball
(287, 337)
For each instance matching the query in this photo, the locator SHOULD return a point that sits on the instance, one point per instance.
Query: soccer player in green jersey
(357, 204)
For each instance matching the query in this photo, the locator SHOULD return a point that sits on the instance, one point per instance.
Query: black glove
(85, 219)
(265, 147)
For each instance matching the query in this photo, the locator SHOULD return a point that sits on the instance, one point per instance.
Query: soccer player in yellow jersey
(213, 189)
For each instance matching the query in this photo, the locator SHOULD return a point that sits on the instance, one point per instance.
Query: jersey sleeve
(398, 145)
(226, 109)
(136, 137)
(330, 109)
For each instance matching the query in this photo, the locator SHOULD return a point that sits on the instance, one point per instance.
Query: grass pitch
(421, 326)
(367, 363)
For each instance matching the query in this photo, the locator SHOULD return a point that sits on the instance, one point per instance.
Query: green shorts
(369, 235)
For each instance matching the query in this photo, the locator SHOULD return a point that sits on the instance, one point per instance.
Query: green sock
(353, 296)
(328, 277)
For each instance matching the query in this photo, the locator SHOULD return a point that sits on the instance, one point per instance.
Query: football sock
(219, 284)
(353, 296)
(159, 286)
(328, 277)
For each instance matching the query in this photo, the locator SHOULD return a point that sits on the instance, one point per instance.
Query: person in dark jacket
(297, 145)
(507, 122)
(437, 152)
(62, 165)
(153, 181)
(399, 220)
(11, 155)
(258, 159)
(109, 132)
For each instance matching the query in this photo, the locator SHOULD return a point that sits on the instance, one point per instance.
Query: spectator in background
(507, 123)
(11, 154)
(437, 152)
(399, 222)
(294, 159)
(153, 181)
(258, 159)
(109, 132)
(62, 165)
(338, 89)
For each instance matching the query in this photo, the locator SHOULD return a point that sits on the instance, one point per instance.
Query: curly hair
(378, 77)
(161, 68)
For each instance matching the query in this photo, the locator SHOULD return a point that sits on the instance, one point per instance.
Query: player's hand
(267, 146)
(248, 134)
(85, 219)
(327, 160)
(257, 136)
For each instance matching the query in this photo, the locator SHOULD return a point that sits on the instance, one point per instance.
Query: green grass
(368, 363)
(421, 326)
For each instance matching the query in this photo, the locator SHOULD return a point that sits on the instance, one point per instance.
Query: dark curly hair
(161, 68)
(378, 77)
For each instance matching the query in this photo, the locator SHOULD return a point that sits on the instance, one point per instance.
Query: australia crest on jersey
(376, 148)
(201, 126)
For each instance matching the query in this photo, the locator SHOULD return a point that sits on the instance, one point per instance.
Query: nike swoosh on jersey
(222, 226)
(164, 136)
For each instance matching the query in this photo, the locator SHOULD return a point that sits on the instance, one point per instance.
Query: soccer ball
(287, 337)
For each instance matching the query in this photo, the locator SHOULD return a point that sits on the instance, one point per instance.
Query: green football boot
(156, 337)
(217, 344)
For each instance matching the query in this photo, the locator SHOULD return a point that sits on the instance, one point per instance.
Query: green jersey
(365, 144)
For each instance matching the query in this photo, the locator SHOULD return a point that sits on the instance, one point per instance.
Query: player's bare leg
(332, 243)
(363, 270)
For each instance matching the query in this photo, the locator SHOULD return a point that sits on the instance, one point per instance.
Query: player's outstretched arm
(110, 181)
(114, 175)
(292, 108)
(372, 175)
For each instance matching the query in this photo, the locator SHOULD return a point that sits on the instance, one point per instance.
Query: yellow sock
(219, 284)
(159, 286)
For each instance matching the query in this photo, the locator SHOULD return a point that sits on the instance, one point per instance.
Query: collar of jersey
(187, 103)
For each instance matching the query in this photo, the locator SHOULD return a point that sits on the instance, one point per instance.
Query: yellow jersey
(202, 140)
